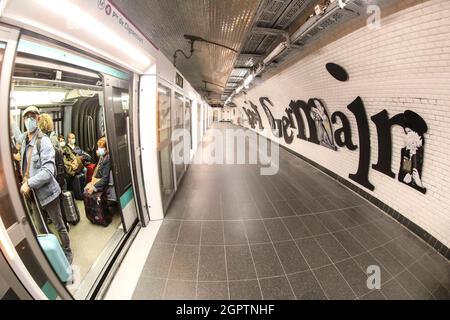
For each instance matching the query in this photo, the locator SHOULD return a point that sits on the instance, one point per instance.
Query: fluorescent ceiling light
(248, 80)
(276, 52)
(70, 11)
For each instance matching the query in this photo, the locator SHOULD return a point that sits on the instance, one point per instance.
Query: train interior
(74, 98)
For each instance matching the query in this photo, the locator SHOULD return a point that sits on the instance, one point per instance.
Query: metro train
(95, 78)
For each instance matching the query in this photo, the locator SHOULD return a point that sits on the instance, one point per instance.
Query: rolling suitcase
(78, 184)
(55, 254)
(70, 209)
(97, 209)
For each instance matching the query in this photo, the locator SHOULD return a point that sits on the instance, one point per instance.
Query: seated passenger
(102, 174)
(72, 162)
(71, 142)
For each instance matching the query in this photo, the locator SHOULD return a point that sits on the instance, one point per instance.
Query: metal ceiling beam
(267, 31)
(250, 56)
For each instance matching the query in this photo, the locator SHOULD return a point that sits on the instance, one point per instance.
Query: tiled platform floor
(234, 234)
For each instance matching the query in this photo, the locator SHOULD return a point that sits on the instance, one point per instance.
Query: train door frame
(136, 154)
(168, 85)
(124, 197)
(20, 232)
(177, 178)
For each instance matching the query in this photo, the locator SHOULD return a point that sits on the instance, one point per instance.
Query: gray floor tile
(180, 290)
(212, 264)
(376, 233)
(248, 210)
(298, 207)
(312, 252)
(245, 290)
(212, 233)
(345, 220)
(354, 276)
(388, 261)
(392, 290)
(366, 260)
(314, 225)
(190, 233)
(283, 209)
(349, 243)
(169, 231)
(291, 258)
(306, 287)
(212, 291)
(364, 238)
(413, 286)
(374, 295)
(276, 229)
(266, 209)
(149, 289)
(234, 233)
(332, 247)
(185, 262)
(256, 231)
(276, 289)
(158, 262)
(266, 261)
(333, 284)
(296, 227)
(239, 263)
(330, 222)
(425, 277)
(399, 253)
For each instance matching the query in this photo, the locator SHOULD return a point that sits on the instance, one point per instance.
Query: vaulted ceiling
(246, 30)
(225, 22)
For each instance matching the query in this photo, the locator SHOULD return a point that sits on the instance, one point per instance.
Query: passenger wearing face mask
(71, 142)
(101, 178)
(38, 171)
(72, 162)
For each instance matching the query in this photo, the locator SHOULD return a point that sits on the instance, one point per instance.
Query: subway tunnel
(225, 150)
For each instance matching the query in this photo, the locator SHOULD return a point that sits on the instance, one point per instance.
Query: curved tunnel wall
(400, 72)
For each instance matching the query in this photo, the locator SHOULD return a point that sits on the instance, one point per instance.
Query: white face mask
(101, 152)
(72, 142)
(62, 144)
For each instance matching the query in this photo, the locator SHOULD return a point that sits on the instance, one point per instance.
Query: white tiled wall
(404, 65)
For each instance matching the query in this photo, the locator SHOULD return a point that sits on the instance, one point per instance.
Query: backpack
(60, 170)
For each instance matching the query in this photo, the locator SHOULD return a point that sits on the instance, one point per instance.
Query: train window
(179, 125)
(188, 120)
(164, 144)
(122, 160)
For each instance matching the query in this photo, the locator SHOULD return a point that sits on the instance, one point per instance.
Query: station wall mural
(312, 123)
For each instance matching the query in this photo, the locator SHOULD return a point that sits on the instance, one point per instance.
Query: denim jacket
(42, 166)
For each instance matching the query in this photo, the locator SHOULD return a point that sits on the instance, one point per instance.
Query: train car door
(117, 105)
(18, 244)
(179, 143)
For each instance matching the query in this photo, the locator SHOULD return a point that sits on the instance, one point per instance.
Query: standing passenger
(38, 169)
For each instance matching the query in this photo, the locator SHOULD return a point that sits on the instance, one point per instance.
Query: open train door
(117, 111)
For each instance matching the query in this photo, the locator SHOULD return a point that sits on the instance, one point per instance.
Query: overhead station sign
(97, 26)
(118, 18)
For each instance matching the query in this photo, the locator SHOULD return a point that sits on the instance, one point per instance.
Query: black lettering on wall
(286, 123)
(343, 136)
(384, 125)
(275, 125)
(257, 116)
(362, 175)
